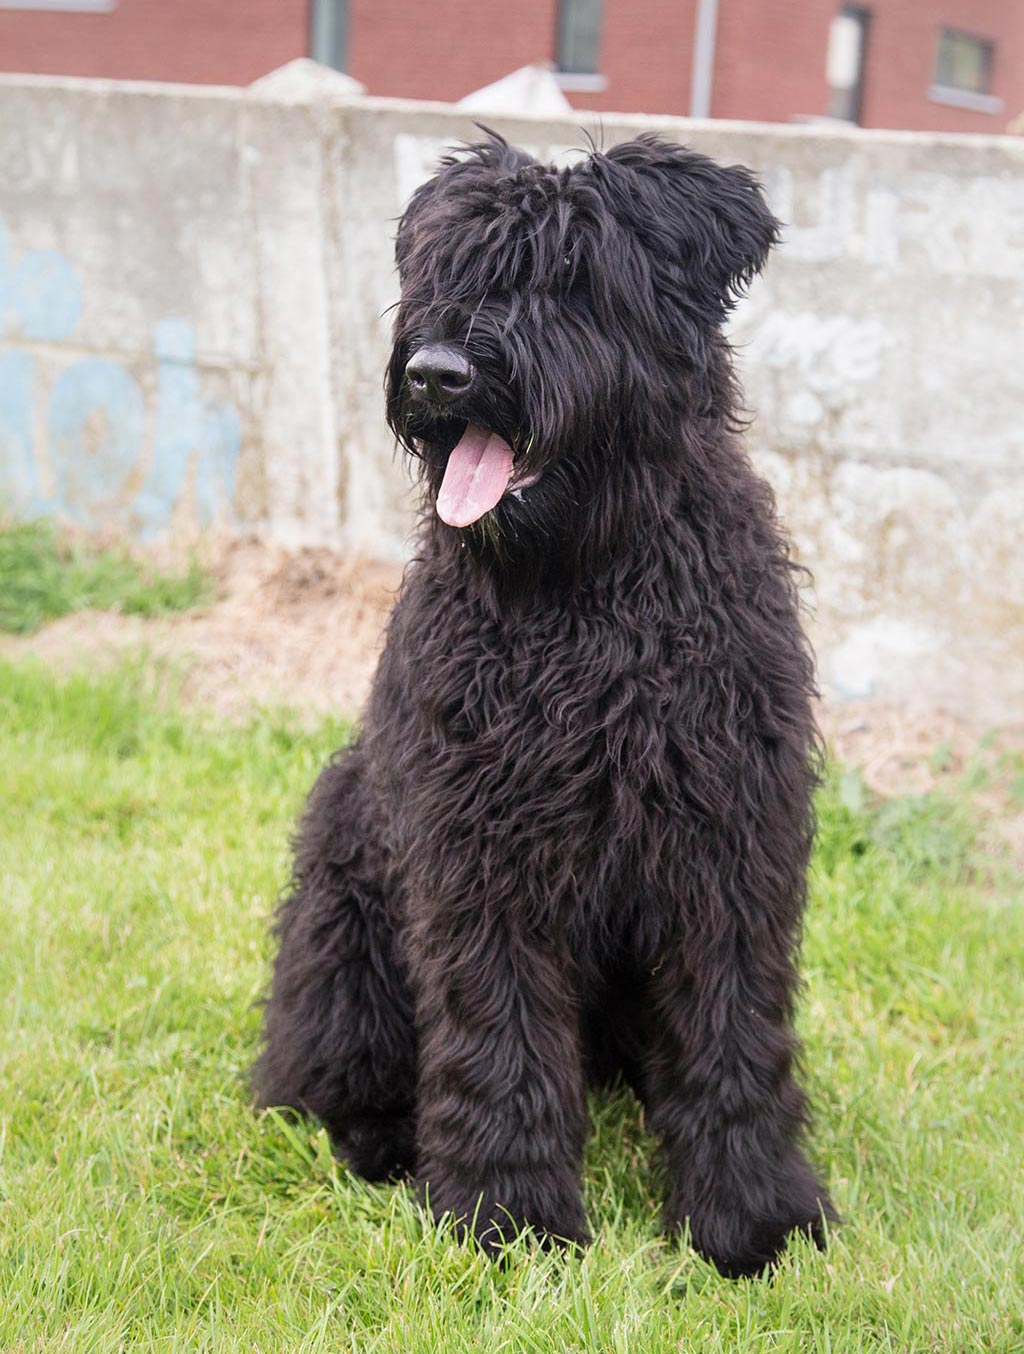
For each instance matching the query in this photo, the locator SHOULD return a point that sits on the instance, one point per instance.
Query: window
(964, 62)
(63, 6)
(845, 64)
(328, 33)
(963, 72)
(579, 36)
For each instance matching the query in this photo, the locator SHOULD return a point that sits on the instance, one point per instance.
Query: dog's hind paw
(752, 1252)
(379, 1148)
(746, 1241)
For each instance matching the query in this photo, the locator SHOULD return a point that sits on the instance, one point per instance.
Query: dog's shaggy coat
(571, 838)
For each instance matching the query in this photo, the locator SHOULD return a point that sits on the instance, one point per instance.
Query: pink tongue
(476, 476)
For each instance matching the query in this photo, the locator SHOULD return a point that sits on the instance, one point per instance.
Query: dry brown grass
(303, 629)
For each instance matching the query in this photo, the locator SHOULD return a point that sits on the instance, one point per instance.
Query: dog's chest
(544, 718)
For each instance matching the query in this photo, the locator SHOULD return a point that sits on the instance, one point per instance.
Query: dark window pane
(963, 62)
(579, 36)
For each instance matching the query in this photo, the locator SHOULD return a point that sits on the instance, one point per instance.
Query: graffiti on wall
(81, 436)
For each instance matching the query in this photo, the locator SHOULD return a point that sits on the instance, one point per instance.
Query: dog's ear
(405, 234)
(711, 219)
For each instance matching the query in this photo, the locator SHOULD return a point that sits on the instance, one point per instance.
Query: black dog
(571, 838)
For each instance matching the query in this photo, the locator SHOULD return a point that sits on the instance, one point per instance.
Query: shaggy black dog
(571, 839)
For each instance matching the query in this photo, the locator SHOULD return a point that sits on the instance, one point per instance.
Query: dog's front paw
(745, 1236)
(494, 1213)
(379, 1147)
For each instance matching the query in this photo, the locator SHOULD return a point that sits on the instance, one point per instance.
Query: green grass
(43, 575)
(143, 1205)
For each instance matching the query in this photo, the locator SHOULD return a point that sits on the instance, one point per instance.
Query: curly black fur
(571, 839)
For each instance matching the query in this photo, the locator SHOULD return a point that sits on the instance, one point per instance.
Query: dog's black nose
(439, 373)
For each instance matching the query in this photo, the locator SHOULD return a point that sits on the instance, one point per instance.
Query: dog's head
(556, 322)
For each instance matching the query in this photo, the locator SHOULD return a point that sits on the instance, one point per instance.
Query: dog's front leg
(720, 1093)
(339, 1036)
(502, 1114)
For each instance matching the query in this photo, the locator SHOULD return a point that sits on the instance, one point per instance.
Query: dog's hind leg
(720, 1094)
(339, 1033)
(718, 1084)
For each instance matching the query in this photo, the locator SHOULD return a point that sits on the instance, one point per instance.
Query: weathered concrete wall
(193, 296)
(162, 308)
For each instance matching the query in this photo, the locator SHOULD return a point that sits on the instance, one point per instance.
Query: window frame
(958, 96)
(986, 48)
(572, 76)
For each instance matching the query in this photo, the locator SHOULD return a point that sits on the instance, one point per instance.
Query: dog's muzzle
(439, 374)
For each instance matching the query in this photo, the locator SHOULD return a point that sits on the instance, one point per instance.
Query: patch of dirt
(300, 629)
(912, 750)
(303, 629)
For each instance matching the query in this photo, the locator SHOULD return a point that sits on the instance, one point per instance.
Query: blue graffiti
(183, 424)
(46, 296)
(96, 421)
(19, 481)
(95, 417)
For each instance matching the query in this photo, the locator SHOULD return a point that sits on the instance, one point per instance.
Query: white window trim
(63, 6)
(581, 83)
(965, 98)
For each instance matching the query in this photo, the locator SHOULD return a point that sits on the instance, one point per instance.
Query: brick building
(944, 65)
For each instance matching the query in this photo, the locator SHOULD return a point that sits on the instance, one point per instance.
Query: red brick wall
(902, 43)
(196, 41)
(770, 54)
(646, 55)
(770, 59)
(448, 48)
(444, 49)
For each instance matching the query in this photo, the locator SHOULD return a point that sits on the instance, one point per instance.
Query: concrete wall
(192, 330)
